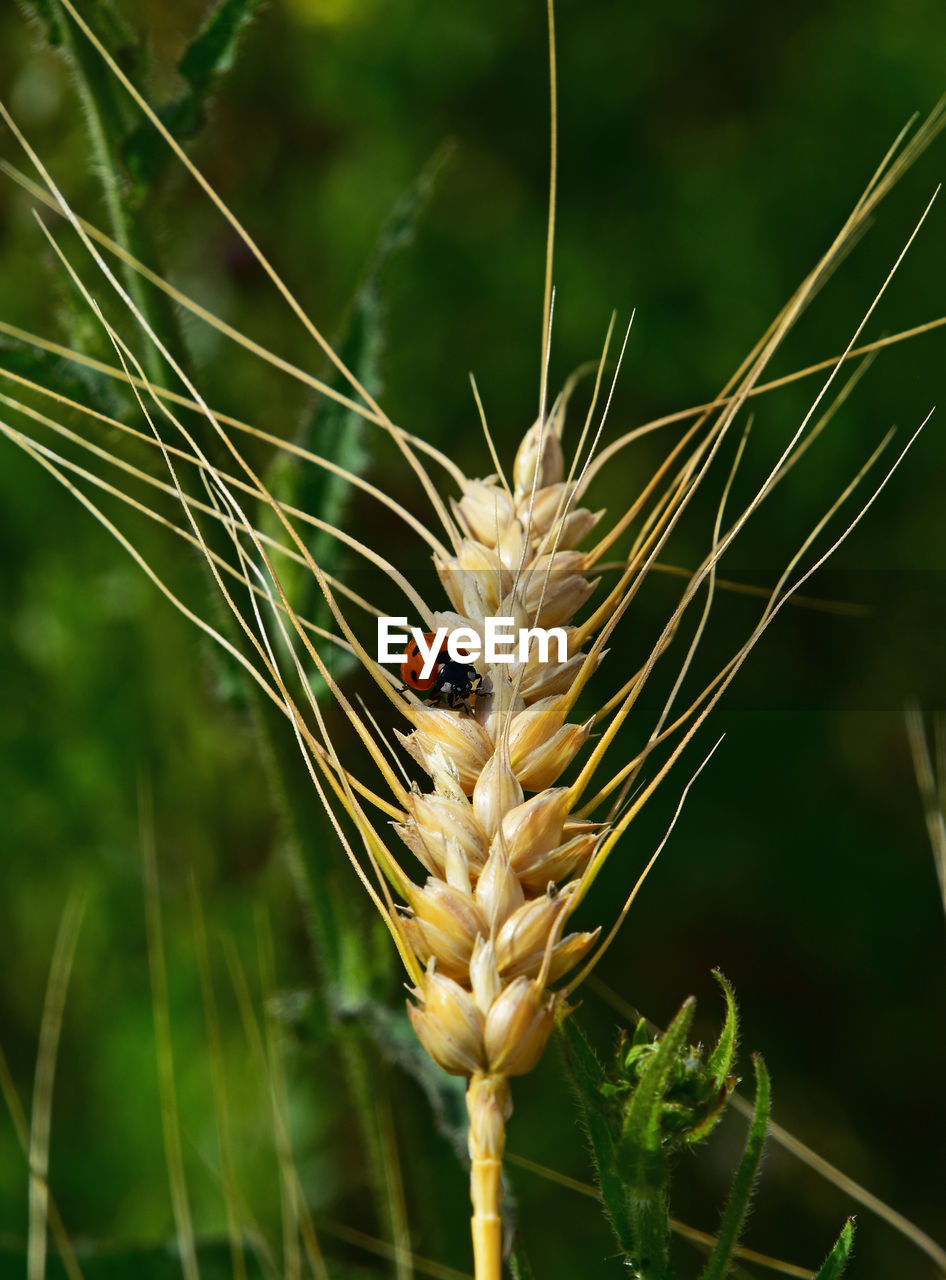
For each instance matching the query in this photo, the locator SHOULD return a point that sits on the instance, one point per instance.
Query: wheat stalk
(510, 851)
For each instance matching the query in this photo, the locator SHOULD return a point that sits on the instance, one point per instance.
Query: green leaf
(338, 435)
(109, 114)
(209, 56)
(101, 17)
(734, 1215)
(641, 1156)
(47, 13)
(719, 1066)
(721, 1059)
(519, 1266)
(213, 50)
(642, 1160)
(334, 432)
(837, 1259)
(587, 1079)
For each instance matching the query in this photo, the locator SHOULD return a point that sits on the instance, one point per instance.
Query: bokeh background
(708, 156)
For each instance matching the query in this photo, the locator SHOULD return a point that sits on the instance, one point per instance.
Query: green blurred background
(708, 156)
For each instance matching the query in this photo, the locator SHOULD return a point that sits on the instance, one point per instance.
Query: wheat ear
(508, 850)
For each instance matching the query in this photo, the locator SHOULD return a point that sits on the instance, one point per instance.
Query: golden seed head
(448, 1024)
(484, 974)
(572, 948)
(445, 925)
(504, 703)
(448, 908)
(485, 844)
(498, 891)
(457, 868)
(536, 825)
(546, 679)
(458, 736)
(518, 1026)
(444, 775)
(484, 511)
(534, 725)
(476, 579)
(550, 502)
(539, 460)
(497, 791)
(541, 768)
(431, 944)
(413, 837)
(554, 589)
(437, 819)
(537, 869)
(522, 940)
(568, 531)
(511, 547)
(541, 746)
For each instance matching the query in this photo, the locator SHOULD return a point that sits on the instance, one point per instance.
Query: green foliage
(101, 16)
(129, 154)
(720, 1062)
(49, 370)
(659, 1096)
(737, 1206)
(837, 1259)
(126, 142)
(334, 432)
(519, 1266)
(209, 56)
(160, 1261)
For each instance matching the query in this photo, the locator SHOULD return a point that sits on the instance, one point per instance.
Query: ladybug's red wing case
(413, 665)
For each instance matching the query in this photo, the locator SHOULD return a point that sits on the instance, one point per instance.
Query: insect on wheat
(523, 801)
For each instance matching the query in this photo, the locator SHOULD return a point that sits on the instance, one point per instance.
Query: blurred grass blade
(110, 1259)
(18, 1118)
(837, 1178)
(261, 1054)
(229, 1187)
(40, 1124)
(296, 1220)
(932, 787)
(423, 1266)
(737, 1206)
(163, 1047)
(369, 1094)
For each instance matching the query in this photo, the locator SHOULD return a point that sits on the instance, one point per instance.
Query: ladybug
(453, 682)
